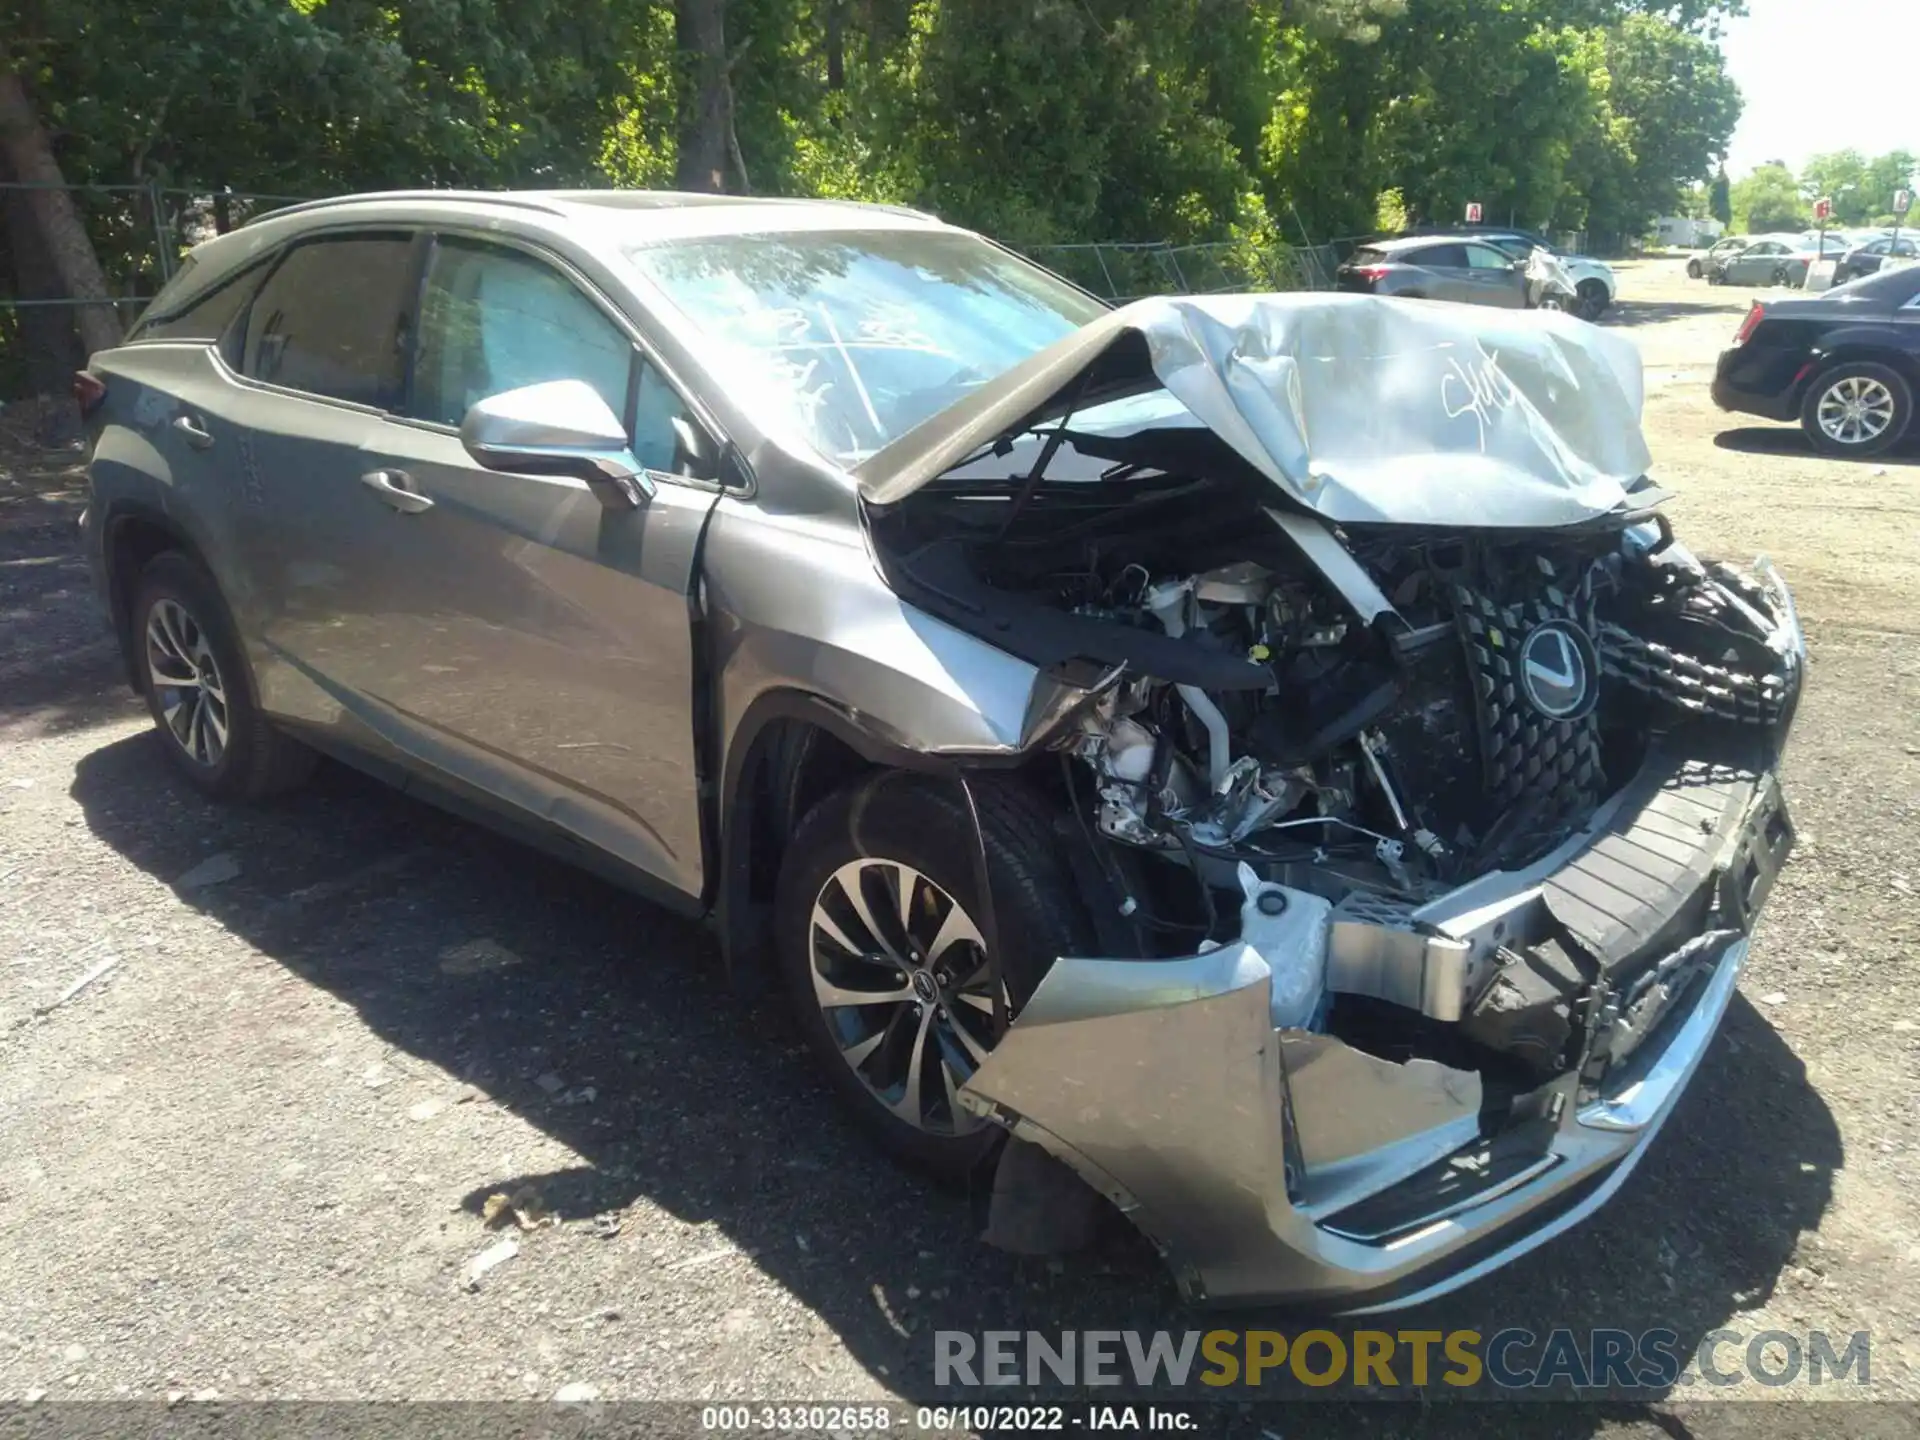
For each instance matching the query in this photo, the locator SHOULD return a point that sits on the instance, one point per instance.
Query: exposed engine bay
(1290, 726)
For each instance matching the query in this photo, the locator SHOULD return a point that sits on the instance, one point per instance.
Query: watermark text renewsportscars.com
(1508, 1359)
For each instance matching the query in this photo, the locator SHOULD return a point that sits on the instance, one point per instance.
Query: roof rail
(492, 197)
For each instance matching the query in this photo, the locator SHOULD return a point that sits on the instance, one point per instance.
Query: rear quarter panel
(142, 466)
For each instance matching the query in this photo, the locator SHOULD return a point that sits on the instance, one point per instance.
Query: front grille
(1541, 774)
(1691, 684)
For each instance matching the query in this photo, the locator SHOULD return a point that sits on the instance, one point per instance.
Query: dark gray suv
(1263, 756)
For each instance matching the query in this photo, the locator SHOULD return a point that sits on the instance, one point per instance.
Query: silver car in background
(1260, 763)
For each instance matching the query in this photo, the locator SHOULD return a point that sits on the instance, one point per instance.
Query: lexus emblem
(1558, 670)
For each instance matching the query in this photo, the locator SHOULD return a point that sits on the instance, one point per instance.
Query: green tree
(1676, 106)
(1720, 197)
(1769, 199)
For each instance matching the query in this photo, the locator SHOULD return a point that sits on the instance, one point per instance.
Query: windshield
(853, 338)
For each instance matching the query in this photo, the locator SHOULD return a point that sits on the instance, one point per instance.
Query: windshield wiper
(1047, 452)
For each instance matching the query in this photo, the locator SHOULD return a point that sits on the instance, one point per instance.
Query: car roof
(1399, 244)
(674, 211)
(603, 222)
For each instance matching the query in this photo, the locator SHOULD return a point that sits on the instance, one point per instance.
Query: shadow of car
(707, 1108)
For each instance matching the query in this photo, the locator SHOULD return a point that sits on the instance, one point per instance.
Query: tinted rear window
(206, 316)
(1451, 257)
(328, 319)
(1368, 255)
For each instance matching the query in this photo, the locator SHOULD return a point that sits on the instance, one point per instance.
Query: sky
(1822, 75)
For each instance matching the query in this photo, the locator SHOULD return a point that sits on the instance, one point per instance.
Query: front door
(531, 642)
(1492, 278)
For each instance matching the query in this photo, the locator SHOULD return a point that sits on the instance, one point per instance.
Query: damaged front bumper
(1273, 1164)
(1178, 1111)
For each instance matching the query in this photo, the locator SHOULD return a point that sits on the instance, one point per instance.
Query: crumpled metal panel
(1163, 1079)
(1359, 407)
(1164, 1083)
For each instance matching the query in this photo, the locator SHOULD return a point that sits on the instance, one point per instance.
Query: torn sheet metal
(1163, 1082)
(1359, 407)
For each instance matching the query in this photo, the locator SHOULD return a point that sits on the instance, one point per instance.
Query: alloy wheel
(910, 996)
(186, 679)
(1855, 410)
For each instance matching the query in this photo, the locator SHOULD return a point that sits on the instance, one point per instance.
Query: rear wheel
(1693, 269)
(199, 690)
(883, 950)
(1860, 408)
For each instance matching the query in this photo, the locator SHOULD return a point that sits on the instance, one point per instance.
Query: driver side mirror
(560, 428)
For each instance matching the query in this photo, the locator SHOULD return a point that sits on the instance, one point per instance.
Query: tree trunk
(47, 341)
(705, 118)
(30, 155)
(836, 46)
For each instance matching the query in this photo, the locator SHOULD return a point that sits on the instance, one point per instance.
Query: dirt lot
(249, 1158)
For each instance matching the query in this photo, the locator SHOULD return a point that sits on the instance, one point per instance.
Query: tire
(1781, 276)
(182, 631)
(859, 837)
(1877, 399)
(1714, 277)
(1593, 300)
(1693, 270)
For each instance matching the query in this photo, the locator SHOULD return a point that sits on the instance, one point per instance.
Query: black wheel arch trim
(116, 519)
(731, 905)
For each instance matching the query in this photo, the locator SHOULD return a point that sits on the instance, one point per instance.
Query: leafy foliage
(1251, 122)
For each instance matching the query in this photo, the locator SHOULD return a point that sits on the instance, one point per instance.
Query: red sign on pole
(1473, 212)
(1822, 208)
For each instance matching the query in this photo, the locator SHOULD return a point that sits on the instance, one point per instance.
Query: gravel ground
(250, 1158)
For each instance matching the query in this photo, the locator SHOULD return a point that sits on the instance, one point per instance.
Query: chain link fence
(139, 232)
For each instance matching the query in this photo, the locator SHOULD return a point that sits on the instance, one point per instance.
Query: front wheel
(1592, 301)
(1781, 276)
(885, 957)
(1857, 409)
(1693, 270)
(199, 690)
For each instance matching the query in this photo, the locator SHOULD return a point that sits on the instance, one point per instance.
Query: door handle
(196, 433)
(394, 487)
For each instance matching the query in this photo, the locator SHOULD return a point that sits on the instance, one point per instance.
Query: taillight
(88, 391)
(1371, 272)
(1750, 324)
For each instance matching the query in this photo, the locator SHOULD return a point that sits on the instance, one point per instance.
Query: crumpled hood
(1361, 408)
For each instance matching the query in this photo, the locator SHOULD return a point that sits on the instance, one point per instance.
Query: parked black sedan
(1844, 363)
(1868, 258)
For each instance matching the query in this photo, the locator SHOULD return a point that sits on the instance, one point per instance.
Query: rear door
(1442, 272)
(303, 375)
(528, 641)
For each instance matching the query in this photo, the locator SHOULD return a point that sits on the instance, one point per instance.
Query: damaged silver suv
(1264, 756)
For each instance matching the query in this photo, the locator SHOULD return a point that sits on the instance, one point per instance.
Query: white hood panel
(1361, 408)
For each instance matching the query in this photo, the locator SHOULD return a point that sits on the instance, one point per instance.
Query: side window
(1482, 257)
(206, 316)
(328, 319)
(1441, 257)
(494, 320)
(656, 440)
